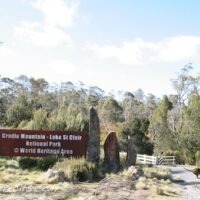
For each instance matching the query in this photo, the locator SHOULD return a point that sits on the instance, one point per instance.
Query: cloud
(63, 69)
(140, 52)
(6, 51)
(58, 15)
(57, 12)
(39, 35)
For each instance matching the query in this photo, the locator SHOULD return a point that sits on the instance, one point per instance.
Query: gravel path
(190, 185)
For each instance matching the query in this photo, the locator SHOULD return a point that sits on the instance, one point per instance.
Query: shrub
(77, 169)
(178, 157)
(37, 163)
(27, 163)
(197, 158)
(46, 162)
(157, 172)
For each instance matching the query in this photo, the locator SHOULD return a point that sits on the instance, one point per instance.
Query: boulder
(53, 176)
(111, 151)
(131, 153)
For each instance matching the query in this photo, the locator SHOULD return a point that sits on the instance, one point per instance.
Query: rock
(134, 172)
(94, 137)
(131, 153)
(111, 150)
(53, 176)
(142, 179)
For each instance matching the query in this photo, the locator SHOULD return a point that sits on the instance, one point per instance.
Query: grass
(158, 180)
(77, 169)
(80, 174)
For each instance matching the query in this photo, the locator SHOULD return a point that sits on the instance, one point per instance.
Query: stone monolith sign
(94, 137)
(111, 150)
(131, 153)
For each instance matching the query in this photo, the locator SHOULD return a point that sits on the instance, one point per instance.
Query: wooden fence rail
(156, 160)
(145, 159)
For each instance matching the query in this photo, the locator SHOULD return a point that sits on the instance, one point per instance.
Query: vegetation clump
(37, 163)
(77, 169)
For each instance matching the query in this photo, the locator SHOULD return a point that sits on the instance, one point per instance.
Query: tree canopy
(157, 126)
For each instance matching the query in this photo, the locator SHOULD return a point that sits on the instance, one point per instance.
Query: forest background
(169, 125)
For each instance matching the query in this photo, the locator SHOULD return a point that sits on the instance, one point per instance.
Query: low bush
(157, 172)
(27, 163)
(77, 169)
(37, 163)
(46, 162)
(178, 156)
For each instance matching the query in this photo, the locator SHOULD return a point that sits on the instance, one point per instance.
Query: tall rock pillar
(94, 137)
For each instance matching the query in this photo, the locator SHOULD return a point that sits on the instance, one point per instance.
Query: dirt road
(190, 185)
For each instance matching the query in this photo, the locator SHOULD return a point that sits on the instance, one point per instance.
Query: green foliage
(110, 110)
(159, 130)
(136, 129)
(27, 163)
(189, 136)
(39, 121)
(37, 163)
(197, 158)
(29, 103)
(18, 112)
(178, 156)
(46, 162)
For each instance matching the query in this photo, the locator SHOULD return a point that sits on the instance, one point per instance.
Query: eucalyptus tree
(95, 94)
(159, 128)
(110, 112)
(20, 110)
(187, 88)
(182, 85)
(150, 105)
(133, 107)
(190, 137)
(7, 97)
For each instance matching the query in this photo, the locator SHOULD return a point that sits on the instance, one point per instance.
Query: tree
(182, 85)
(190, 135)
(110, 114)
(110, 110)
(18, 111)
(159, 129)
(137, 130)
(95, 95)
(7, 97)
(132, 108)
(150, 105)
(39, 121)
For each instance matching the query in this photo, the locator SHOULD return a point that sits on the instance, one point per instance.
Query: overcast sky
(112, 44)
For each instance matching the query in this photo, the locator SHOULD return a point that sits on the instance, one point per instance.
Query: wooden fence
(145, 159)
(156, 160)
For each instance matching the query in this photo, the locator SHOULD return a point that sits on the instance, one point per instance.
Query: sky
(114, 44)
